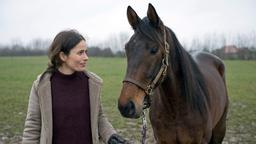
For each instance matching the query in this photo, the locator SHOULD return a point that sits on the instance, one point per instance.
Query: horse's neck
(170, 98)
(171, 88)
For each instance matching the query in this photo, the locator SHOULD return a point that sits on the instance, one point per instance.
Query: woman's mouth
(82, 64)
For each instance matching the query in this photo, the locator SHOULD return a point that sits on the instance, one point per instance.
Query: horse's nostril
(128, 110)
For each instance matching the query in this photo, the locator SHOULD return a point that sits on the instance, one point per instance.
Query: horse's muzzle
(127, 110)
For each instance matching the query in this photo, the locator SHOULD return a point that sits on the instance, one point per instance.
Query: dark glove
(116, 139)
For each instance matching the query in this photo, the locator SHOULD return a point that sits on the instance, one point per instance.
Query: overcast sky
(26, 20)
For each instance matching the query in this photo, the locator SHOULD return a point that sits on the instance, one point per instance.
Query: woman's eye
(80, 52)
(153, 50)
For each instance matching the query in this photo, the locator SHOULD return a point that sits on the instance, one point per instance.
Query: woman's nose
(85, 56)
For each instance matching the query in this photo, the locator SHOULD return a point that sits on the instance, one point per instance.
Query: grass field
(18, 73)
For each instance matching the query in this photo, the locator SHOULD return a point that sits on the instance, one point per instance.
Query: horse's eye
(153, 50)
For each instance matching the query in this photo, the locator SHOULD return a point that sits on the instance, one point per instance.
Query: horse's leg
(219, 130)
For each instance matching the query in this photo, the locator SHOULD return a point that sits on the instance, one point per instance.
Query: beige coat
(38, 124)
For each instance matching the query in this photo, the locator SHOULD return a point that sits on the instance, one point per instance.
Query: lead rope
(144, 127)
(150, 87)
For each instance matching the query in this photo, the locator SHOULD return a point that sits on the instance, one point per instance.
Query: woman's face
(75, 60)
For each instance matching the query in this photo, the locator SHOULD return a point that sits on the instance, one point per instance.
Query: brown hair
(64, 41)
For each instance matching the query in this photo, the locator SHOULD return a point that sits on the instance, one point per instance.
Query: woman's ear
(63, 56)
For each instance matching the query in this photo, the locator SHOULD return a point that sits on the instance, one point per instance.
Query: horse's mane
(193, 86)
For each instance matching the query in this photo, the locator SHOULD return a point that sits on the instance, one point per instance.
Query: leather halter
(148, 88)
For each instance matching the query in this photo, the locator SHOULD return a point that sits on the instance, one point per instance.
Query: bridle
(148, 88)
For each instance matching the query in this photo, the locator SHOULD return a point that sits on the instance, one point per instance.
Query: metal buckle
(146, 102)
(149, 90)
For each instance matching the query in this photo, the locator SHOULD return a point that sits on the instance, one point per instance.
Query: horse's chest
(177, 134)
(180, 130)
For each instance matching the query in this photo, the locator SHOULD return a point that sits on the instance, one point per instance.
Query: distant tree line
(20, 50)
(96, 51)
(240, 46)
(232, 52)
(111, 47)
(35, 48)
(243, 47)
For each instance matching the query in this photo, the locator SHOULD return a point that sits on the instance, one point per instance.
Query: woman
(64, 104)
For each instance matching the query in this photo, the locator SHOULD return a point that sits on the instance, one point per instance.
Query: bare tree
(116, 41)
(39, 44)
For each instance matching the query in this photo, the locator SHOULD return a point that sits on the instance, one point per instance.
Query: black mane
(193, 84)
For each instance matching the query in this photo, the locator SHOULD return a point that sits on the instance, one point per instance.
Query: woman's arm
(32, 128)
(107, 132)
(105, 128)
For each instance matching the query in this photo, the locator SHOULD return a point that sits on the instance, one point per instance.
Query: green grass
(18, 73)
(241, 82)
(16, 76)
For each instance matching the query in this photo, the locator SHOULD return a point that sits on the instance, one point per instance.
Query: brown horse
(187, 93)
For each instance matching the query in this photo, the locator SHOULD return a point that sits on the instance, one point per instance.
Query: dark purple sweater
(71, 108)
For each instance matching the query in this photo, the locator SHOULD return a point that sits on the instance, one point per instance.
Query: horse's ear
(153, 17)
(133, 18)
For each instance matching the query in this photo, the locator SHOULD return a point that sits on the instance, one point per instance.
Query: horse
(186, 93)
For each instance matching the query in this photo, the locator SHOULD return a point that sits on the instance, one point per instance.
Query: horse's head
(147, 60)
